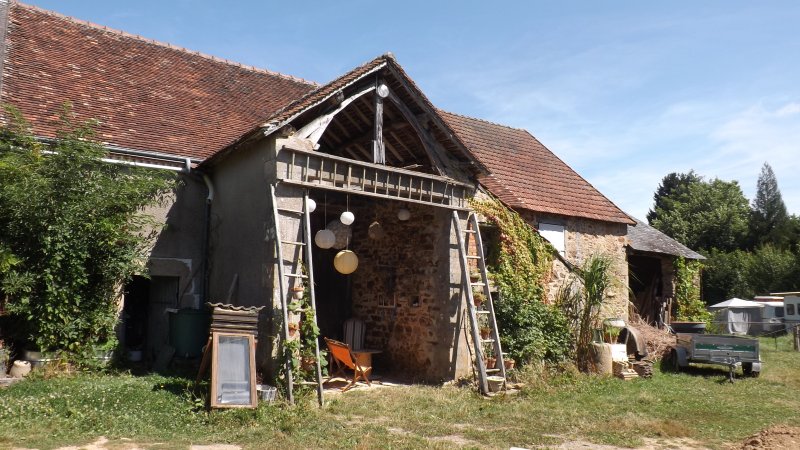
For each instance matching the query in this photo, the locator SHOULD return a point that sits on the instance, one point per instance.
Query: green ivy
(687, 292)
(520, 263)
(75, 227)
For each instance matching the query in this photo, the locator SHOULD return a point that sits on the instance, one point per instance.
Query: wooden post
(796, 337)
(378, 150)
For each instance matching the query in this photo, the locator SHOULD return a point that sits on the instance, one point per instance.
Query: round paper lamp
(347, 218)
(311, 204)
(342, 232)
(403, 214)
(325, 238)
(345, 262)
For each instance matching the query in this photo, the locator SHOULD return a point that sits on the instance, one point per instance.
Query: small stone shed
(369, 142)
(651, 261)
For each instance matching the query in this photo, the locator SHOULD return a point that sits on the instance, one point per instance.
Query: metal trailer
(726, 350)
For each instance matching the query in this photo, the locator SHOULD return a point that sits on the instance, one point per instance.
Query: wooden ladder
(483, 314)
(304, 216)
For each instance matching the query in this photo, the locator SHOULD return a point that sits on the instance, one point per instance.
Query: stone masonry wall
(401, 289)
(584, 238)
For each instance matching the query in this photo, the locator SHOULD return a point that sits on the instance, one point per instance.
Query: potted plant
(489, 359)
(486, 331)
(293, 328)
(478, 298)
(298, 291)
(475, 276)
(509, 363)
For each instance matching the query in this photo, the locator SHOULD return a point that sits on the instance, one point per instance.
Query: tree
(75, 227)
(769, 221)
(705, 214)
(672, 186)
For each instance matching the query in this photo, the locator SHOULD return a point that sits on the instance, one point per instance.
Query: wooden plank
(378, 151)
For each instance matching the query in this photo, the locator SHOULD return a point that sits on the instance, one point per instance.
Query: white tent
(737, 303)
(739, 316)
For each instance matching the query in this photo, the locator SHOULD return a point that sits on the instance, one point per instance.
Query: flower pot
(298, 292)
(485, 332)
(475, 277)
(37, 358)
(308, 364)
(491, 362)
(495, 383)
(20, 369)
(688, 327)
(509, 363)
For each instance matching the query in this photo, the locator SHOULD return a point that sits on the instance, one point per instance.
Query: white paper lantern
(325, 238)
(311, 205)
(347, 218)
(403, 214)
(345, 262)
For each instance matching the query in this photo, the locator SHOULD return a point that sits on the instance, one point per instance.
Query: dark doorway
(146, 313)
(646, 286)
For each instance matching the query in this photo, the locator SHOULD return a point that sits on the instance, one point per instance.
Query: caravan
(772, 315)
(791, 306)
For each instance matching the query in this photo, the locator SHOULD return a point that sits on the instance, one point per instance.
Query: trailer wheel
(672, 362)
(747, 370)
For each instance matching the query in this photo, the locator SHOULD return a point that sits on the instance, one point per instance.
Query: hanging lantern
(347, 218)
(403, 214)
(311, 205)
(345, 262)
(325, 238)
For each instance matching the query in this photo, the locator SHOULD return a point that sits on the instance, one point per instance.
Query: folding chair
(344, 358)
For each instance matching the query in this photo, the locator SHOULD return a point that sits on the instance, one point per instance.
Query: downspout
(207, 235)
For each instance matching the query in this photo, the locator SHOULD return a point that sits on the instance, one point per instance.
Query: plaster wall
(178, 248)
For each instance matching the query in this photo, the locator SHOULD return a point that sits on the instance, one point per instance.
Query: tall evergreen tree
(769, 221)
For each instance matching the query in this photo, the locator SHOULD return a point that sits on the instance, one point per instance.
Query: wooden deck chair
(343, 357)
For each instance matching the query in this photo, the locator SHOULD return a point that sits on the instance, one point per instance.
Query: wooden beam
(378, 150)
(428, 142)
(314, 129)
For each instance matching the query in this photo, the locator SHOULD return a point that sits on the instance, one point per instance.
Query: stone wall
(407, 290)
(584, 238)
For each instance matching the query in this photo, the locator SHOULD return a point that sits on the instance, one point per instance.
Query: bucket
(188, 332)
(266, 393)
(495, 383)
(20, 369)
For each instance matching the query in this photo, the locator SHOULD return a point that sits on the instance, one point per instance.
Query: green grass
(699, 405)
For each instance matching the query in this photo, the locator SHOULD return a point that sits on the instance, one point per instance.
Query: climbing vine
(300, 348)
(520, 262)
(687, 292)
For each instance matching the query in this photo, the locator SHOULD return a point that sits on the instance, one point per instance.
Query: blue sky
(625, 92)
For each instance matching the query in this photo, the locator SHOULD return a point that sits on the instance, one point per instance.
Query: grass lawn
(699, 406)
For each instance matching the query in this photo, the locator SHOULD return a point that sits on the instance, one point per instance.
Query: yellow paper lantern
(345, 262)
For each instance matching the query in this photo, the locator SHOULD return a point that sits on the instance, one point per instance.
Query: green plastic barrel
(188, 332)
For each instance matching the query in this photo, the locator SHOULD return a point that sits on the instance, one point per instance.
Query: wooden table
(364, 356)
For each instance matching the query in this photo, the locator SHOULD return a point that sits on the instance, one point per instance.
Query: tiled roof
(525, 174)
(147, 95)
(159, 98)
(644, 238)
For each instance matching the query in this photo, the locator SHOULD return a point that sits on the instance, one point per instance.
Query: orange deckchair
(344, 358)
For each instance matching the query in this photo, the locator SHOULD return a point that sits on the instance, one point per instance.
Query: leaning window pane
(233, 371)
